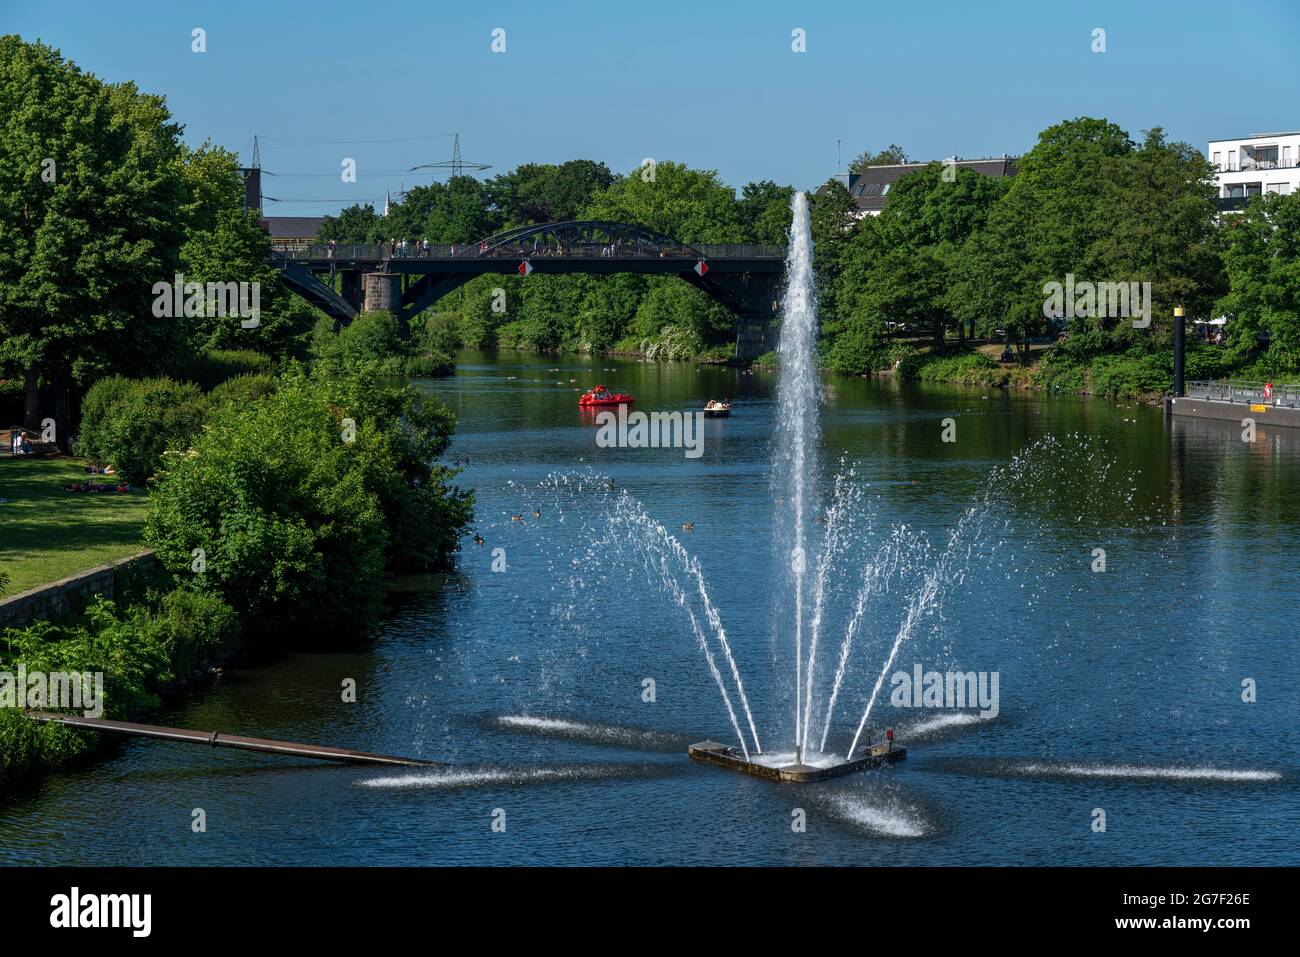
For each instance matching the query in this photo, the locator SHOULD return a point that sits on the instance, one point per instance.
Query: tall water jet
(795, 466)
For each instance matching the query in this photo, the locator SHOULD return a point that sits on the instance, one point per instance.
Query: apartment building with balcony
(1253, 165)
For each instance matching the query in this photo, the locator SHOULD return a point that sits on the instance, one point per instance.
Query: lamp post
(1178, 351)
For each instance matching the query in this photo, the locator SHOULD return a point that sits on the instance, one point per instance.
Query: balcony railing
(1252, 166)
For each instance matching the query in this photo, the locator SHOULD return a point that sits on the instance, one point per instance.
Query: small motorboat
(602, 396)
(713, 409)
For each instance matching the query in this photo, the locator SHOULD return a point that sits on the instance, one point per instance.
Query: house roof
(870, 186)
(292, 227)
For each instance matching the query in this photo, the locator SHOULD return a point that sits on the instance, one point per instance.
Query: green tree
(889, 156)
(764, 212)
(545, 193)
(833, 217)
(91, 183)
(237, 250)
(689, 205)
(354, 224)
(1261, 256)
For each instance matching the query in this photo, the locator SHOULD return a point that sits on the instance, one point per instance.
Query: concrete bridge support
(351, 288)
(383, 292)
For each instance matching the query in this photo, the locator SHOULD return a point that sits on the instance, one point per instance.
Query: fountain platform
(725, 756)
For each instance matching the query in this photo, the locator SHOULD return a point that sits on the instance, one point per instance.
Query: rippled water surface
(1119, 690)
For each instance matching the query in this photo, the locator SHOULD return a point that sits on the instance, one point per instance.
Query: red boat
(602, 396)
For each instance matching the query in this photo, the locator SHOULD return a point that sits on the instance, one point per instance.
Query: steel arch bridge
(345, 279)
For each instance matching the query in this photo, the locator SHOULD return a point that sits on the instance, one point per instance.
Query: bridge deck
(584, 258)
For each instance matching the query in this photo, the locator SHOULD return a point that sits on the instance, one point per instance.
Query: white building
(1255, 164)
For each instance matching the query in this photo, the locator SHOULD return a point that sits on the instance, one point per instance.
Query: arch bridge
(346, 279)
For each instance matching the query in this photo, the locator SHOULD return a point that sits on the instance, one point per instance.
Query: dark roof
(292, 227)
(869, 187)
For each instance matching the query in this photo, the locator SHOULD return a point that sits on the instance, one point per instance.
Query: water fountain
(796, 470)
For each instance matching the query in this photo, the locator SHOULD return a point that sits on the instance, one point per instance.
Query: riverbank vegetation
(955, 260)
(275, 466)
(275, 520)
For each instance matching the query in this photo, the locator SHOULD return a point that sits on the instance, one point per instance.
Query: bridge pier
(752, 334)
(351, 288)
(383, 292)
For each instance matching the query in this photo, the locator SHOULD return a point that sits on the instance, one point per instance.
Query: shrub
(298, 522)
(370, 336)
(95, 406)
(429, 366)
(122, 646)
(968, 368)
(245, 389)
(131, 423)
(195, 629)
(441, 333)
(215, 366)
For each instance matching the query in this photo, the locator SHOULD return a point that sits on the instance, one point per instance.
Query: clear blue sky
(713, 84)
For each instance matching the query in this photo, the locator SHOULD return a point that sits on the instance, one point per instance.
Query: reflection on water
(534, 680)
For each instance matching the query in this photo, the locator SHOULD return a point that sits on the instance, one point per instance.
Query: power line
(406, 172)
(402, 139)
(350, 199)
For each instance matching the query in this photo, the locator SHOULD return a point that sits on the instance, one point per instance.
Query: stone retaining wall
(71, 594)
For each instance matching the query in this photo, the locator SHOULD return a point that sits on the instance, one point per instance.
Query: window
(884, 189)
(1218, 161)
(1234, 191)
(1254, 189)
(1286, 156)
(1266, 157)
(1284, 188)
(1272, 187)
(1232, 159)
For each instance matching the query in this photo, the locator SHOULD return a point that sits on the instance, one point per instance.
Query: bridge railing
(1248, 393)
(310, 252)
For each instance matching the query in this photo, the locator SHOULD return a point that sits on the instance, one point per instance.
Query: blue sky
(713, 84)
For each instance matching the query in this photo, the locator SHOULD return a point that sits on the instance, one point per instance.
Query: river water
(1120, 691)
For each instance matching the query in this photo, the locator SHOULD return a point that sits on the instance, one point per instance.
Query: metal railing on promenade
(1246, 393)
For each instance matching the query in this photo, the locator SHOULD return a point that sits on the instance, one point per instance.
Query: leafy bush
(673, 342)
(139, 650)
(215, 366)
(905, 361)
(371, 335)
(194, 629)
(1206, 362)
(299, 514)
(969, 368)
(441, 333)
(429, 366)
(95, 406)
(4, 581)
(131, 423)
(245, 389)
(134, 667)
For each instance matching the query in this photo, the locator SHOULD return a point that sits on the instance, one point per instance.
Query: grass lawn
(47, 534)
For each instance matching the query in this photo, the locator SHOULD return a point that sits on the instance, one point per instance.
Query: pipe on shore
(216, 739)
